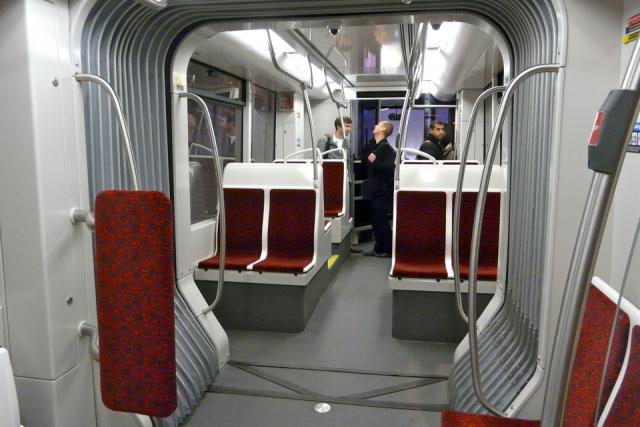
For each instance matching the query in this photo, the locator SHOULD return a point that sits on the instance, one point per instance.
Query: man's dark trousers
(380, 208)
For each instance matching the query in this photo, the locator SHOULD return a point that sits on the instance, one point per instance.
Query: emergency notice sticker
(634, 142)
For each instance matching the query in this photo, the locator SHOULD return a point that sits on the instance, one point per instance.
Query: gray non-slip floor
(346, 354)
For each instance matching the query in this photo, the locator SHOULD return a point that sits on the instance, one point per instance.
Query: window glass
(202, 178)
(263, 123)
(209, 81)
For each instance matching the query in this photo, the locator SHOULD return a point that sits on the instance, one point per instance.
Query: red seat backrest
(333, 182)
(244, 208)
(421, 229)
(489, 239)
(291, 223)
(590, 355)
(134, 296)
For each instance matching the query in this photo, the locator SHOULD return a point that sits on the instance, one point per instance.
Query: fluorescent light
(156, 4)
(439, 42)
(257, 40)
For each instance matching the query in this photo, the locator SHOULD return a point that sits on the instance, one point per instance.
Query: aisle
(345, 357)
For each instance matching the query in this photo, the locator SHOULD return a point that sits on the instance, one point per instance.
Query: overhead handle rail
(607, 145)
(456, 212)
(335, 49)
(477, 226)
(335, 101)
(427, 156)
(222, 227)
(304, 86)
(414, 81)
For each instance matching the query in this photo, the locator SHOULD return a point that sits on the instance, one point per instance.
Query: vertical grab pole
(416, 65)
(304, 86)
(123, 124)
(477, 227)
(222, 226)
(607, 145)
(456, 212)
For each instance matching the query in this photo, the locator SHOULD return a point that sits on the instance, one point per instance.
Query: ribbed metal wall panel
(128, 45)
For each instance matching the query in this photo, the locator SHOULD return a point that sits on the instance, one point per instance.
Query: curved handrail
(86, 329)
(456, 212)
(193, 144)
(333, 150)
(416, 65)
(477, 226)
(318, 158)
(340, 54)
(221, 212)
(83, 77)
(335, 101)
(428, 156)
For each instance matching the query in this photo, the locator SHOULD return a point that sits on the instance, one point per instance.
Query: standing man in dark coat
(381, 162)
(435, 145)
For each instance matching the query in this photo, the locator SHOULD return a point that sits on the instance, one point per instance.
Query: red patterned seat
(489, 240)
(244, 213)
(420, 234)
(291, 231)
(333, 182)
(587, 370)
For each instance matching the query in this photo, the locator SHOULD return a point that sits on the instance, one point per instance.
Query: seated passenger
(435, 144)
(329, 142)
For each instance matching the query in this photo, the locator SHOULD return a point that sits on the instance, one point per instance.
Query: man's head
(382, 130)
(436, 128)
(340, 133)
(227, 122)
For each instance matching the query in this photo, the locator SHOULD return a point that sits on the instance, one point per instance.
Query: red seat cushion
(420, 234)
(134, 296)
(333, 182)
(463, 419)
(489, 239)
(625, 410)
(291, 231)
(244, 209)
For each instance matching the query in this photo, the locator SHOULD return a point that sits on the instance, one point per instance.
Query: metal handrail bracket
(86, 329)
(477, 226)
(222, 227)
(427, 156)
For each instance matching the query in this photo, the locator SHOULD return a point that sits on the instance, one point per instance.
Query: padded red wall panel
(134, 293)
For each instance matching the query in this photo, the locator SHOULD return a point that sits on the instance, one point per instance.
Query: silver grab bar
(340, 54)
(477, 226)
(427, 156)
(86, 329)
(123, 125)
(334, 150)
(335, 101)
(193, 144)
(589, 237)
(222, 226)
(306, 150)
(304, 86)
(456, 211)
(416, 65)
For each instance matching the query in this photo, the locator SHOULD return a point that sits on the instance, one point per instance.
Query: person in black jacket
(435, 144)
(381, 162)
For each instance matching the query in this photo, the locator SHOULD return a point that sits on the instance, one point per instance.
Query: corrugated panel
(128, 45)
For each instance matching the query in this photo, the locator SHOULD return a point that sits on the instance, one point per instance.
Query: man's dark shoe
(370, 253)
(383, 255)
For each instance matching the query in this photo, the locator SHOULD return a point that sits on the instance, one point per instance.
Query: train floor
(346, 358)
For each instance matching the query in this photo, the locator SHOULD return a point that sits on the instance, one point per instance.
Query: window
(224, 96)
(263, 122)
